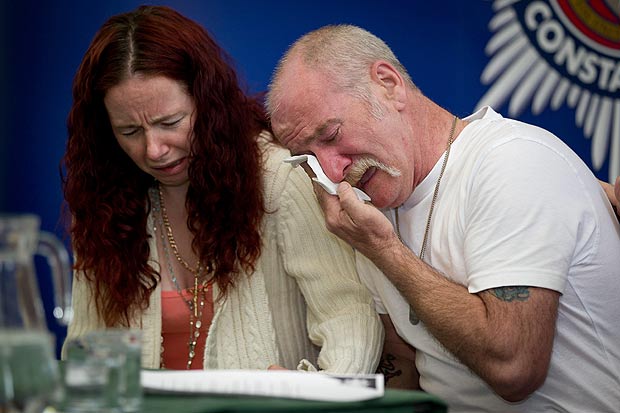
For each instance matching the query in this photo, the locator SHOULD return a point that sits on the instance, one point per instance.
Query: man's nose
(333, 165)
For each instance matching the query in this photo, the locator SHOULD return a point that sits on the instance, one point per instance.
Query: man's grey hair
(344, 52)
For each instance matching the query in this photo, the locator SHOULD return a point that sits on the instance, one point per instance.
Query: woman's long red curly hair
(106, 193)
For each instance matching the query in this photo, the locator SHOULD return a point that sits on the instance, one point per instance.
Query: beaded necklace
(200, 289)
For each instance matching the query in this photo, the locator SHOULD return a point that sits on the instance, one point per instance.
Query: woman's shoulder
(273, 153)
(280, 177)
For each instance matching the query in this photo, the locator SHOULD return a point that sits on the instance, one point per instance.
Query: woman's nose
(155, 145)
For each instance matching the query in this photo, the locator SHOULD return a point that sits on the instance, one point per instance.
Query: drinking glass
(29, 376)
(102, 372)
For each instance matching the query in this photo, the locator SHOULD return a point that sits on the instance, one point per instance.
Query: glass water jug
(28, 368)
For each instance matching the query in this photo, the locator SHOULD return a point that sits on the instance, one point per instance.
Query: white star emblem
(542, 55)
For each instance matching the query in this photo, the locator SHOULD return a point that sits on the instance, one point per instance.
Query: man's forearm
(487, 341)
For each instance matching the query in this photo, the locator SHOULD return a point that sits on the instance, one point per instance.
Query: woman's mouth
(172, 167)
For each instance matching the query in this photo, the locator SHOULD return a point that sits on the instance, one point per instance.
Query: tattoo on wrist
(387, 367)
(518, 293)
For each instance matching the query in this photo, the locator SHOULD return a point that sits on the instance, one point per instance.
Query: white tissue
(321, 178)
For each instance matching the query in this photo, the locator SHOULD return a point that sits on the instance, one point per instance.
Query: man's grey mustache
(360, 167)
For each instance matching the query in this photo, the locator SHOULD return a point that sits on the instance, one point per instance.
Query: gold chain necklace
(171, 241)
(199, 291)
(413, 318)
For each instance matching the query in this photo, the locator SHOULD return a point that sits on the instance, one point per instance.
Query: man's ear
(390, 81)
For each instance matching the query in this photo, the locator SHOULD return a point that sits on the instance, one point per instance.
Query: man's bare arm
(504, 335)
(507, 343)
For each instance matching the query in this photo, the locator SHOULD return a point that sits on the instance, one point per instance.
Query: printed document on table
(278, 383)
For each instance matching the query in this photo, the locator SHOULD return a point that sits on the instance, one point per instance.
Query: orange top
(175, 329)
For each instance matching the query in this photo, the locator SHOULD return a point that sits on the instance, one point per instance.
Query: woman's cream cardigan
(303, 302)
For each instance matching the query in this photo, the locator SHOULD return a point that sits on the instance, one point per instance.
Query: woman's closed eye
(172, 123)
(129, 132)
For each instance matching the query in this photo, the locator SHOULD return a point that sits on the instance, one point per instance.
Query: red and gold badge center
(596, 19)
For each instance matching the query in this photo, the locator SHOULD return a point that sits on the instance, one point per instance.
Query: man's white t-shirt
(517, 207)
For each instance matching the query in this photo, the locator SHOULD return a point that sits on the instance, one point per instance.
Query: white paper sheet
(321, 178)
(273, 383)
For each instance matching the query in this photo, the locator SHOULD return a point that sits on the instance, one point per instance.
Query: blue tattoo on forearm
(511, 293)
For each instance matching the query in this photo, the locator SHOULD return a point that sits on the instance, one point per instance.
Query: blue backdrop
(539, 61)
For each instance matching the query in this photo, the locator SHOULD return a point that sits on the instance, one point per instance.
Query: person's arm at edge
(613, 193)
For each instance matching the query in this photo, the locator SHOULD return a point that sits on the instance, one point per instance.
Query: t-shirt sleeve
(524, 217)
